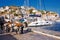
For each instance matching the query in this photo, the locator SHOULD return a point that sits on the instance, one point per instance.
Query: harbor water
(55, 27)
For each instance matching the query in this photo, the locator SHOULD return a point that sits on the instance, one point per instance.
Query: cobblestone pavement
(40, 29)
(25, 36)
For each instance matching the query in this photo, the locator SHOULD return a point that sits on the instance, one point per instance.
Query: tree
(41, 11)
(31, 11)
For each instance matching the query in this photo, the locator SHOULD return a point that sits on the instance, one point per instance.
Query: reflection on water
(55, 27)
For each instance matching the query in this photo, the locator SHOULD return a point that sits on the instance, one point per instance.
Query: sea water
(55, 27)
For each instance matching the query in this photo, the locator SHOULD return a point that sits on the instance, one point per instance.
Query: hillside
(16, 11)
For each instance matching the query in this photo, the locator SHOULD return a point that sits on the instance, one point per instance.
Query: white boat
(57, 20)
(40, 23)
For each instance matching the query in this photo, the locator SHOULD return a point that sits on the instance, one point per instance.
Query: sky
(49, 5)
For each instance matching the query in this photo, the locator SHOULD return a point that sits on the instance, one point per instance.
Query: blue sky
(51, 5)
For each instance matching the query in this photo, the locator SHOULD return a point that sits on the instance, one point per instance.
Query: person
(22, 29)
(22, 20)
(25, 22)
(2, 21)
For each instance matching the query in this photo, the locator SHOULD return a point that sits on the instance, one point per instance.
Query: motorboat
(40, 23)
(57, 20)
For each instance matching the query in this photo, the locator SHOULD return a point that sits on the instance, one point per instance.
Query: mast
(40, 4)
(26, 3)
(45, 9)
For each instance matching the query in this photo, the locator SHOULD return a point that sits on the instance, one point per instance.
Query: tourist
(22, 29)
(25, 22)
(22, 20)
(2, 21)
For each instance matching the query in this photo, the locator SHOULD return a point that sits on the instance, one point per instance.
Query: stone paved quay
(41, 29)
(26, 36)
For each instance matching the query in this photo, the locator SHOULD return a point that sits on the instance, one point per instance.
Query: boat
(57, 20)
(41, 23)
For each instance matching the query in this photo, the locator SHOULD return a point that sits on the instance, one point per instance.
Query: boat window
(46, 22)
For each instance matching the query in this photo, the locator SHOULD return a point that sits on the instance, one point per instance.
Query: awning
(32, 15)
